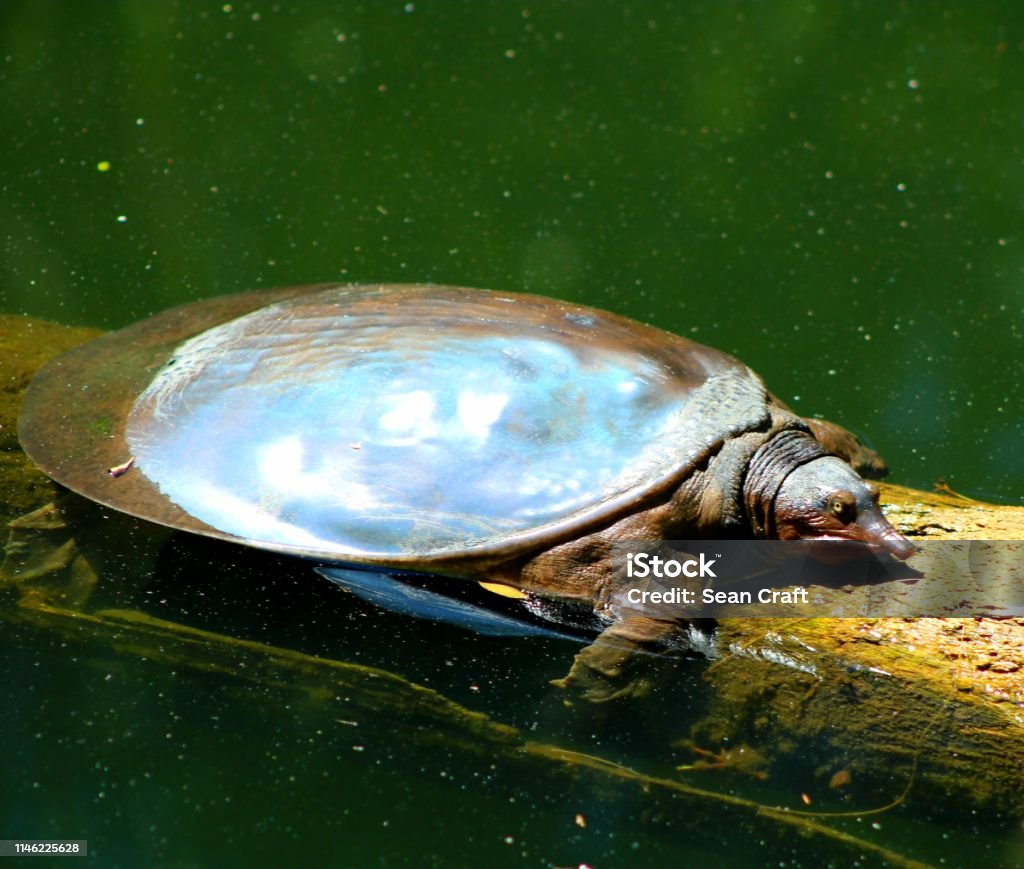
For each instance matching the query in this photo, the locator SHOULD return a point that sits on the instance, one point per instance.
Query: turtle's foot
(602, 675)
(622, 663)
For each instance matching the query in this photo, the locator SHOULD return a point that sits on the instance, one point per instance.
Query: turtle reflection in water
(437, 430)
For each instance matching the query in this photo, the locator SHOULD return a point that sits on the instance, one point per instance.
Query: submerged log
(927, 710)
(360, 702)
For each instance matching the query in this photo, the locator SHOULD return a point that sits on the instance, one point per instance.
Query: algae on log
(25, 345)
(929, 708)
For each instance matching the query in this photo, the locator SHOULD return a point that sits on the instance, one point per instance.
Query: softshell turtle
(499, 436)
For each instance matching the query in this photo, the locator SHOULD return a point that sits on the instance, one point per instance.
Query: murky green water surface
(831, 191)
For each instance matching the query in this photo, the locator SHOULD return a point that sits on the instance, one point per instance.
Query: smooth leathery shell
(430, 426)
(395, 423)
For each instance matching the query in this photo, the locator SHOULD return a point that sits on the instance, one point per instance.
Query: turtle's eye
(843, 506)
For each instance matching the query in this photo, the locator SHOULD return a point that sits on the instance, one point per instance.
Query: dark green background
(830, 190)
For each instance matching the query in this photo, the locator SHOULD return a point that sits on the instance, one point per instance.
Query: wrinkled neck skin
(794, 490)
(769, 467)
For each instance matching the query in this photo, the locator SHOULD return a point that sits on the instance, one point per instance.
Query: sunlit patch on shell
(409, 417)
(478, 412)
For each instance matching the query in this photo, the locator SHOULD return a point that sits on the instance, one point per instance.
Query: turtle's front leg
(620, 663)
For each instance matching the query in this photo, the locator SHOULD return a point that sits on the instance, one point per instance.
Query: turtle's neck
(769, 466)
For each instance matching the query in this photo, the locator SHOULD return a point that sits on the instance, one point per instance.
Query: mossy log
(25, 344)
(936, 702)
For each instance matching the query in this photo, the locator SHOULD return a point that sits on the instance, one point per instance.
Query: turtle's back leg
(845, 444)
(57, 554)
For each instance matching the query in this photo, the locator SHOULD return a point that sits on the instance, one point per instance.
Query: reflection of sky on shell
(406, 446)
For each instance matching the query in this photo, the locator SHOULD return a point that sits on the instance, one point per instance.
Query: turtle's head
(824, 499)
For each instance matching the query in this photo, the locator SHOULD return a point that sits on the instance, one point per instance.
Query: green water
(832, 191)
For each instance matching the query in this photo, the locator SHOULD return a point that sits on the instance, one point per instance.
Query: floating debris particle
(841, 779)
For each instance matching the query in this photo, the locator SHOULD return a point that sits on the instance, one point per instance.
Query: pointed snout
(876, 529)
